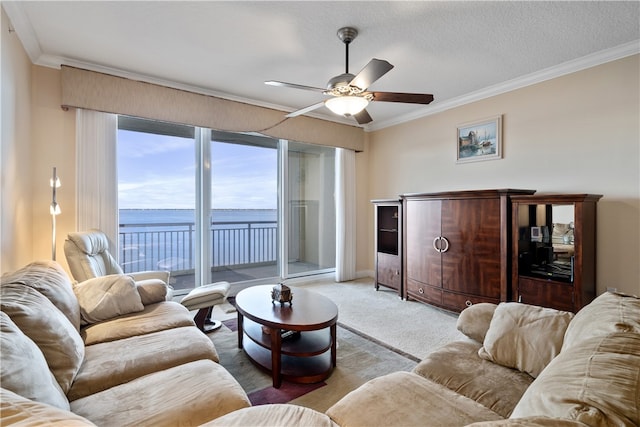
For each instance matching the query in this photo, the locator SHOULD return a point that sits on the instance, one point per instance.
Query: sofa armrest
(150, 274)
(149, 285)
(474, 320)
(153, 290)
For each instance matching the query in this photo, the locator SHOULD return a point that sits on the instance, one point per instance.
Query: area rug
(359, 359)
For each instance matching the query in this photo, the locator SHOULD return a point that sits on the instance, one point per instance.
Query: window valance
(103, 92)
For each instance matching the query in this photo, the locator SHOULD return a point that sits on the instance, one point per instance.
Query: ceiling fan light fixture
(347, 105)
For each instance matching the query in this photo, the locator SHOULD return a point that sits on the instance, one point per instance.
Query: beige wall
(574, 134)
(16, 167)
(36, 136)
(53, 137)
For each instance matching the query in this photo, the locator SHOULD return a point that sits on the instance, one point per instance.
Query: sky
(158, 172)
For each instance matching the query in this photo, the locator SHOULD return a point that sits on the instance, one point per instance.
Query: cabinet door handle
(435, 246)
(446, 244)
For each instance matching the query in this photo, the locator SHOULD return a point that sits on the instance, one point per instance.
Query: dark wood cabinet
(457, 247)
(554, 257)
(388, 244)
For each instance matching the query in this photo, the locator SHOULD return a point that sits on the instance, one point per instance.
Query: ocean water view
(165, 239)
(159, 216)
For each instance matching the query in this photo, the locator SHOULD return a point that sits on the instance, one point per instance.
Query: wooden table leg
(276, 348)
(334, 346)
(240, 329)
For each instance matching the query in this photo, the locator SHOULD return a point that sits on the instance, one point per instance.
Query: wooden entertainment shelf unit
(457, 247)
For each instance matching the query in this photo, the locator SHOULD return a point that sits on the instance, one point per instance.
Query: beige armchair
(88, 256)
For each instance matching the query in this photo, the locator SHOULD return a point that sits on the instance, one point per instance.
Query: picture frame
(479, 140)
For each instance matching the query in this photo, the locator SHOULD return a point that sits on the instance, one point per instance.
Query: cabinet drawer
(458, 302)
(423, 292)
(545, 293)
(388, 272)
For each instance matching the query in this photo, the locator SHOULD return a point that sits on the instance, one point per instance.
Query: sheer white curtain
(345, 215)
(97, 179)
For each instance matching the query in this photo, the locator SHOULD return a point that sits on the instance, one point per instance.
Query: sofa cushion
(596, 382)
(16, 410)
(609, 312)
(154, 318)
(530, 422)
(474, 320)
(52, 332)
(117, 362)
(48, 278)
(458, 367)
(23, 368)
(106, 297)
(273, 415)
(525, 337)
(406, 399)
(185, 395)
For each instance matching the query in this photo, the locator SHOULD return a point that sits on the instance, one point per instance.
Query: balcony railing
(171, 246)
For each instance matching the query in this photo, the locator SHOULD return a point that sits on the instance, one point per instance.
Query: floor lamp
(54, 210)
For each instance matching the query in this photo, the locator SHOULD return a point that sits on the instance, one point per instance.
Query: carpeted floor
(358, 360)
(378, 333)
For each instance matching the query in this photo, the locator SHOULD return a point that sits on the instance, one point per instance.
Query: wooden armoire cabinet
(457, 247)
(388, 244)
(554, 256)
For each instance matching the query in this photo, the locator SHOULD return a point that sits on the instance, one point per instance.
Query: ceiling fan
(349, 94)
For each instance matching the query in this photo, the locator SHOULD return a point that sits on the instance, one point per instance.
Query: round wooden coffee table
(306, 356)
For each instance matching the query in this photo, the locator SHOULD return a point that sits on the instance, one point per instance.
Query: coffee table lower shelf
(304, 359)
(305, 370)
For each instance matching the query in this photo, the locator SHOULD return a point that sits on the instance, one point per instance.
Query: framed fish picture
(479, 140)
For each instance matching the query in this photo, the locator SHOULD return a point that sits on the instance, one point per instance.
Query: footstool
(203, 298)
(274, 415)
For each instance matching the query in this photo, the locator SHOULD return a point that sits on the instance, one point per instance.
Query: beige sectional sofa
(97, 353)
(527, 364)
(521, 366)
(69, 358)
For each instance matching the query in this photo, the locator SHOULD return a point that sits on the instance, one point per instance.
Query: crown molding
(23, 29)
(588, 61)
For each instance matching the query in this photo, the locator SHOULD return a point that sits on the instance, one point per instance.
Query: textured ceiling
(456, 50)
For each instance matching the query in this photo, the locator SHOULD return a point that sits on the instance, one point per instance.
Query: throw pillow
(24, 369)
(608, 313)
(52, 332)
(594, 382)
(106, 297)
(524, 337)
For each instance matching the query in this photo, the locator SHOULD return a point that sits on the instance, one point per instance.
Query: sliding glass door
(211, 206)
(156, 198)
(244, 201)
(310, 209)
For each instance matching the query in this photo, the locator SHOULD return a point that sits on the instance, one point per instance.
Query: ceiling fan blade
(409, 98)
(375, 69)
(305, 110)
(363, 117)
(294, 86)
